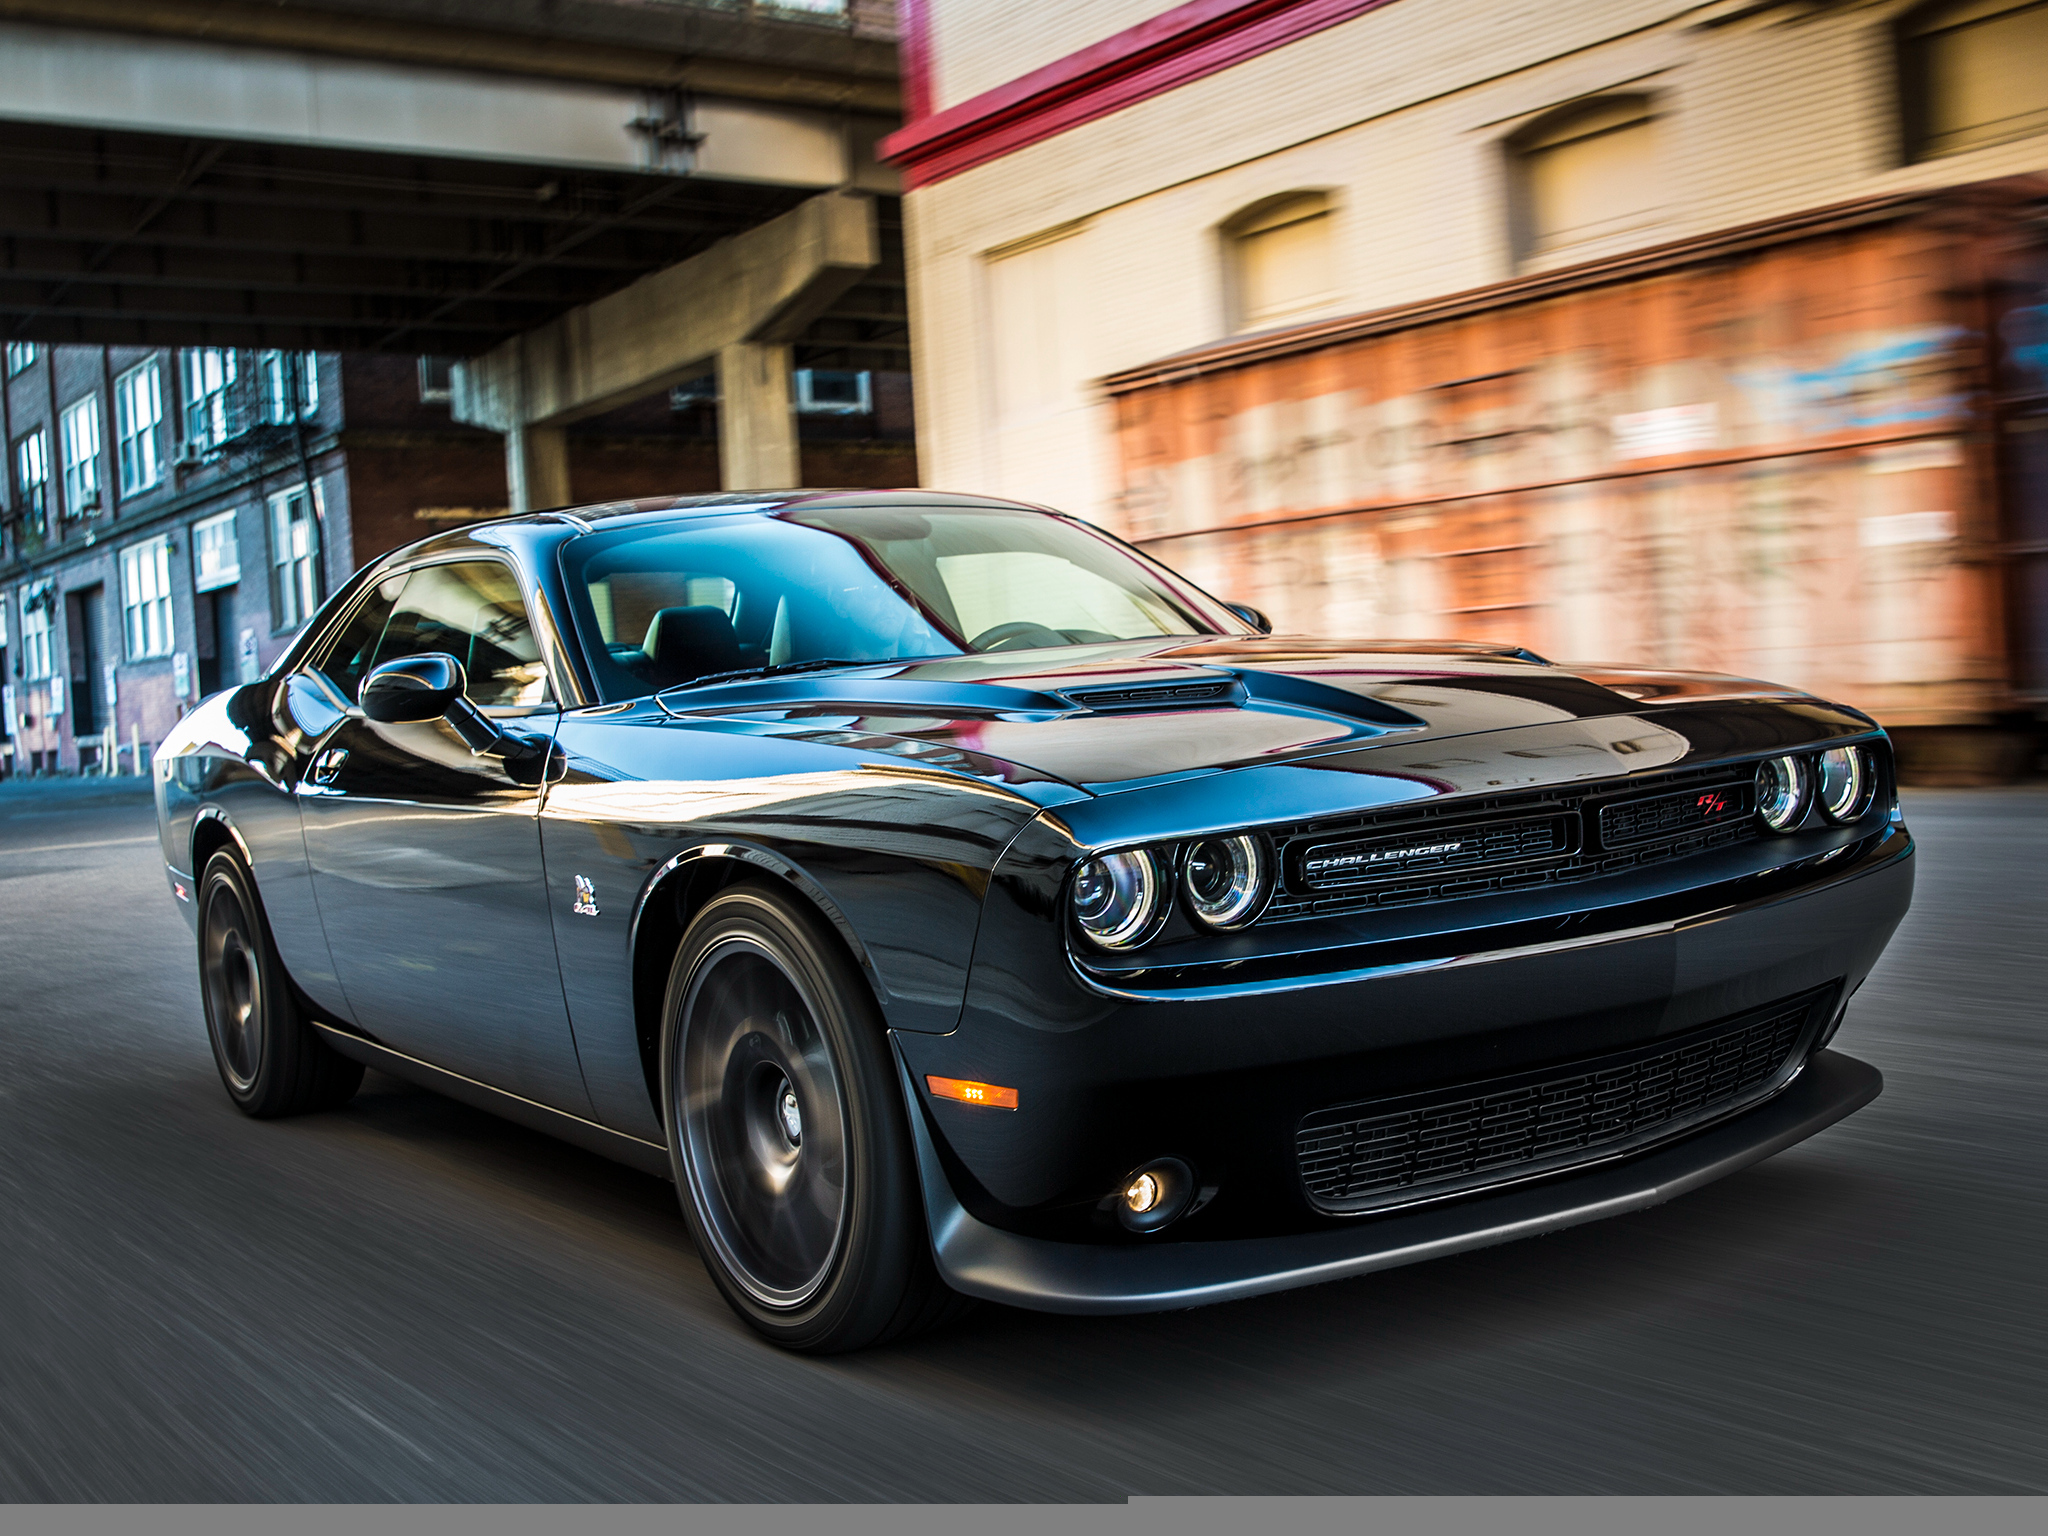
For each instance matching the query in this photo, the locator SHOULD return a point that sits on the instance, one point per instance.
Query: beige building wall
(1101, 248)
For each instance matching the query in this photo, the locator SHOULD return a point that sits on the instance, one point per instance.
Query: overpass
(585, 200)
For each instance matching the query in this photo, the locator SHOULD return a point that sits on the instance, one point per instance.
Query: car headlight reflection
(1845, 783)
(1225, 880)
(1119, 897)
(1783, 786)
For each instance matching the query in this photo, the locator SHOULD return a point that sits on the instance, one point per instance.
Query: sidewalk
(123, 786)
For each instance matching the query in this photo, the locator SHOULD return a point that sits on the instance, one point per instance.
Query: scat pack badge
(586, 898)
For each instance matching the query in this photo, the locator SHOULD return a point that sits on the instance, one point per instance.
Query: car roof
(592, 516)
(769, 501)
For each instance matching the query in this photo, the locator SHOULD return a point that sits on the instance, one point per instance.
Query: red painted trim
(1172, 49)
(914, 51)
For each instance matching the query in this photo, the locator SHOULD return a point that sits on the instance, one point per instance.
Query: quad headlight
(1225, 880)
(1119, 899)
(1784, 785)
(1846, 780)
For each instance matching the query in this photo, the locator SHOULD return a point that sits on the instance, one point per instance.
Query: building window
(146, 598)
(437, 380)
(32, 480)
(1038, 292)
(833, 392)
(294, 559)
(209, 371)
(78, 443)
(216, 553)
(1282, 260)
(289, 376)
(1584, 173)
(37, 604)
(19, 355)
(1974, 72)
(138, 407)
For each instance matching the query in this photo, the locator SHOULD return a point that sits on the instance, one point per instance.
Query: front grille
(1436, 850)
(1661, 816)
(1363, 1157)
(1508, 842)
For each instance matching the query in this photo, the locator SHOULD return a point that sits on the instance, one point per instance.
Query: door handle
(327, 765)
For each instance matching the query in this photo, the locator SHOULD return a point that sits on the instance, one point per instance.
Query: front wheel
(271, 1060)
(787, 1131)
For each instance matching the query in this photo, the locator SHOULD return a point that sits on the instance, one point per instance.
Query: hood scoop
(1180, 693)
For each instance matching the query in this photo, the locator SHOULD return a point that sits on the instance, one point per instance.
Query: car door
(425, 856)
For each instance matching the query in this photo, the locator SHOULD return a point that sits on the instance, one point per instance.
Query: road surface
(412, 1300)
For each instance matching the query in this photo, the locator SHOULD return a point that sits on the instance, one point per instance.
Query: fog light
(1156, 1195)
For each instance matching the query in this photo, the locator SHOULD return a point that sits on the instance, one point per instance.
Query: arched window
(1583, 173)
(1282, 260)
(1973, 72)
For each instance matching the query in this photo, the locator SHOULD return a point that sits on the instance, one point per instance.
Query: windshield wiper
(780, 669)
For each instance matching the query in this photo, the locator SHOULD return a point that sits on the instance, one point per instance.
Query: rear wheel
(787, 1131)
(270, 1058)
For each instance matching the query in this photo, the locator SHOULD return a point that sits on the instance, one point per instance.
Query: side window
(355, 649)
(472, 610)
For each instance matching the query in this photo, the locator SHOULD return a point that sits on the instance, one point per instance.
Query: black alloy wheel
(270, 1058)
(787, 1131)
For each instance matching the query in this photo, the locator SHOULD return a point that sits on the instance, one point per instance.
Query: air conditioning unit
(191, 451)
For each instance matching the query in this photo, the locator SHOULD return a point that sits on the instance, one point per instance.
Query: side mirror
(412, 688)
(434, 686)
(1251, 616)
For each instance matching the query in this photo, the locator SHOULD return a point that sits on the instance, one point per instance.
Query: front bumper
(980, 1260)
(1225, 1079)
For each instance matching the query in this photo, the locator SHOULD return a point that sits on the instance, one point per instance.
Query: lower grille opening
(1363, 1157)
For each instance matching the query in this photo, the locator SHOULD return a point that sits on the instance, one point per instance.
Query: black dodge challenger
(956, 903)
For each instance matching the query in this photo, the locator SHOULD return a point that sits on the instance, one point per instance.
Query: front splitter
(980, 1260)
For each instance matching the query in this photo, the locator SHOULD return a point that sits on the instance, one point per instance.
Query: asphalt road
(412, 1300)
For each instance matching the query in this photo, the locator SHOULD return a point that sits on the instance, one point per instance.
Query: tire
(787, 1132)
(271, 1059)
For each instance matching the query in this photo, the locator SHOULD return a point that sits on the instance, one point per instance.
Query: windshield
(674, 604)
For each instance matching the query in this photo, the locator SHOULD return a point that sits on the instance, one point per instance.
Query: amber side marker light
(964, 1092)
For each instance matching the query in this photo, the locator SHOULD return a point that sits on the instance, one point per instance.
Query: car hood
(1106, 718)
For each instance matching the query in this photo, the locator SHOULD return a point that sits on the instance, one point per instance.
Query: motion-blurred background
(1699, 335)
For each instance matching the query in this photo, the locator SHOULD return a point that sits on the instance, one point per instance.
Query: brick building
(159, 540)
(1447, 318)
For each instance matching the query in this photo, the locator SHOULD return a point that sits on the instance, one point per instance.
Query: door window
(354, 650)
(472, 610)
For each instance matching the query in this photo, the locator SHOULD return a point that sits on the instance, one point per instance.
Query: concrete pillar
(757, 449)
(536, 467)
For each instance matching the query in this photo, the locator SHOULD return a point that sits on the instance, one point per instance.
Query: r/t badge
(586, 899)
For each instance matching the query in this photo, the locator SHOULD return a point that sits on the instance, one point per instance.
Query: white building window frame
(31, 453)
(38, 610)
(208, 374)
(78, 449)
(279, 372)
(815, 388)
(21, 356)
(138, 412)
(146, 620)
(216, 552)
(292, 527)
